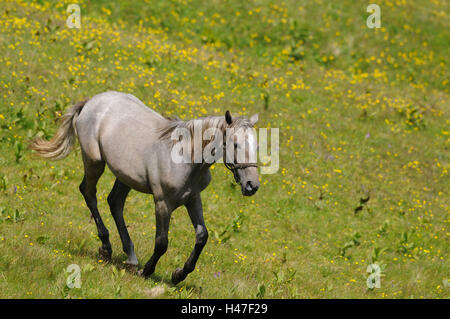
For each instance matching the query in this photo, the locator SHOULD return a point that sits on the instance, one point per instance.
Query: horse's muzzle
(250, 188)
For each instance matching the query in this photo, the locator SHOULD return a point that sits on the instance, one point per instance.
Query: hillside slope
(362, 113)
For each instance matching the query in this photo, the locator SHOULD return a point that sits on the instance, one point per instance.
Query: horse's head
(240, 152)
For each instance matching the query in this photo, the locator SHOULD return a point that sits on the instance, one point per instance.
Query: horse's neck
(198, 128)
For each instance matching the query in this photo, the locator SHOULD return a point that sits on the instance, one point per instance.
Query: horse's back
(108, 112)
(117, 105)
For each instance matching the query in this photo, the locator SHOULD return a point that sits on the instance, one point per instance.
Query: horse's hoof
(105, 254)
(131, 268)
(144, 273)
(178, 276)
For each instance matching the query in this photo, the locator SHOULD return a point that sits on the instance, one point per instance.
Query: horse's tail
(62, 142)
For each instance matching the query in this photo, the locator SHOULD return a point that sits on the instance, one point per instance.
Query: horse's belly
(128, 162)
(135, 182)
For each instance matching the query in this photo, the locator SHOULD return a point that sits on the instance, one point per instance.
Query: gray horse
(133, 140)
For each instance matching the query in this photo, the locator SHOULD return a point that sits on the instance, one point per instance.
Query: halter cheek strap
(235, 166)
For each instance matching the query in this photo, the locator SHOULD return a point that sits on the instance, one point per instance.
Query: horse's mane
(207, 122)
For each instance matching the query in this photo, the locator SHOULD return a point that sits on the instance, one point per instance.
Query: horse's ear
(228, 117)
(254, 118)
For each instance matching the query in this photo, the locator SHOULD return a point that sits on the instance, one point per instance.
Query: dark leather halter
(235, 166)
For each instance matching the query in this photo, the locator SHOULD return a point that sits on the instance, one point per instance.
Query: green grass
(361, 112)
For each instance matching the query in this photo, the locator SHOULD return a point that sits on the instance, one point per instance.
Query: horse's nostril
(251, 186)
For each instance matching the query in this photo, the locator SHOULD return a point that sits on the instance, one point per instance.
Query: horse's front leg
(161, 240)
(195, 210)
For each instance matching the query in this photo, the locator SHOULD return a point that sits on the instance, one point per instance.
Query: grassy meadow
(363, 116)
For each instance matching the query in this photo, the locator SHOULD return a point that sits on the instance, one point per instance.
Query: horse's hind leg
(88, 187)
(116, 201)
